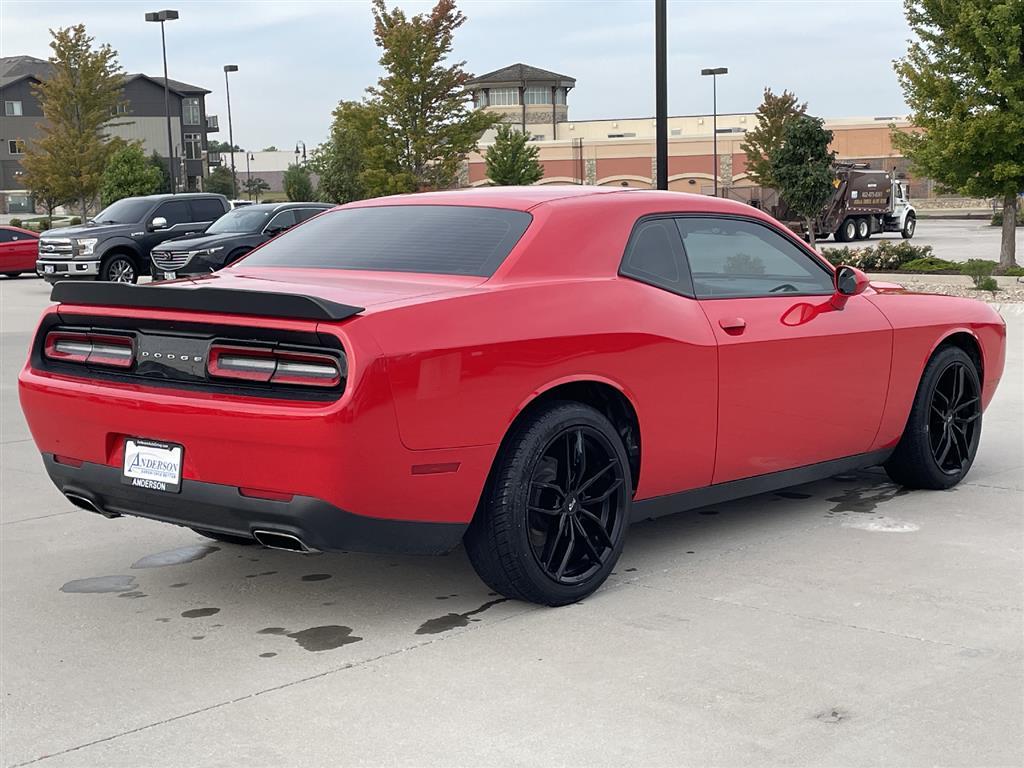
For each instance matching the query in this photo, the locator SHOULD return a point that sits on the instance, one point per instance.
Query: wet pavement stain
(865, 500)
(630, 570)
(454, 620)
(256, 575)
(269, 655)
(316, 577)
(162, 620)
(179, 585)
(133, 595)
(198, 637)
(792, 495)
(273, 631)
(832, 716)
(198, 613)
(176, 556)
(100, 584)
(324, 638)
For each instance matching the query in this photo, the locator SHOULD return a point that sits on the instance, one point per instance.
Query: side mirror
(850, 281)
(158, 223)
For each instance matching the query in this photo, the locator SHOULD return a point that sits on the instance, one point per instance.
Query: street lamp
(661, 94)
(715, 72)
(297, 144)
(162, 16)
(248, 175)
(231, 135)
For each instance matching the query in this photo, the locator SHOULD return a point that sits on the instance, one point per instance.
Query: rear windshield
(436, 239)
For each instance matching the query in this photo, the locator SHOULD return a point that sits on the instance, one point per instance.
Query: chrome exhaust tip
(83, 502)
(283, 541)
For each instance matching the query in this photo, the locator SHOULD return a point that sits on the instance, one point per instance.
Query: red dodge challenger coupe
(19, 249)
(525, 370)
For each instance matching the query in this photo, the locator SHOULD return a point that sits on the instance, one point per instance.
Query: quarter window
(12, 109)
(207, 210)
(190, 111)
(654, 255)
(737, 258)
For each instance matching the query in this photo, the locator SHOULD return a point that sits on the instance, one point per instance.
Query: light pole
(248, 175)
(715, 72)
(162, 16)
(660, 94)
(303, 145)
(231, 135)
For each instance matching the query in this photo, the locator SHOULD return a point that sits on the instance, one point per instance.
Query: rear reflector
(256, 493)
(93, 348)
(273, 365)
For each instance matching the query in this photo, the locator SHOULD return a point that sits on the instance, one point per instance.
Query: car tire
(941, 437)
(235, 256)
(12, 275)
(226, 538)
(847, 231)
(909, 227)
(550, 529)
(863, 229)
(119, 268)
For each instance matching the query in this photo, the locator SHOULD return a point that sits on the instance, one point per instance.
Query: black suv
(116, 244)
(229, 238)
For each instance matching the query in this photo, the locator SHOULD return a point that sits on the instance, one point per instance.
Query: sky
(298, 58)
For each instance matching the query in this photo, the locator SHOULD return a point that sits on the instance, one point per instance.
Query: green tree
(160, 164)
(221, 146)
(78, 101)
(298, 186)
(341, 161)
(774, 114)
(511, 160)
(964, 80)
(128, 173)
(802, 168)
(46, 190)
(271, 148)
(220, 182)
(422, 100)
(254, 186)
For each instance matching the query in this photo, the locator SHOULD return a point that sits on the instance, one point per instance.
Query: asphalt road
(845, 622)
(951, 239)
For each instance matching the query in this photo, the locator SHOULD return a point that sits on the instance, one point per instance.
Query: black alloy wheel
(119, 269)
(943, 430)
(954, 418)
(554, 515)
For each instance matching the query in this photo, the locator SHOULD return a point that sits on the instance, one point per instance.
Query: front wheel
(119, 268)
(909, 226)
(941, 438)
(553, 519)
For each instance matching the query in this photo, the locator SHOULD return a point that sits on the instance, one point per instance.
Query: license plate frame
(48, 269)
(152, 465)
(170, 275)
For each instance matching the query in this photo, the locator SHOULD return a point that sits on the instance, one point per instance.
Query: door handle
(733, 325)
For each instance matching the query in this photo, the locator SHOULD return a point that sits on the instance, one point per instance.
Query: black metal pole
(231, 139)
(714, 126)
(661, 93)
(167, 112)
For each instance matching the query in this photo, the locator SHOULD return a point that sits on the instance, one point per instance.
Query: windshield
(434, 239)
(243, 220)
(130, 210)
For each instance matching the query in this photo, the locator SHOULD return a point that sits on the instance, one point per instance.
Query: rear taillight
(273, 366)
(92, 348)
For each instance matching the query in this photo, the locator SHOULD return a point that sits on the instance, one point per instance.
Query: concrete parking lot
(846, 622)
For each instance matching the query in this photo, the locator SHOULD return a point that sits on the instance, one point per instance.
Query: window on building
(480, 99)
(16, 146)
(12, 108)
(560, 95)
(190, 111)
(621, 135)
(537, 94)
(193, 146)
(504, 97)
(537, 137)
(122, 108)
(677, 132)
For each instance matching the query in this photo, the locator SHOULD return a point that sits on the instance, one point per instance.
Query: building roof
(15, 68)
(519, 73)
(175, 86)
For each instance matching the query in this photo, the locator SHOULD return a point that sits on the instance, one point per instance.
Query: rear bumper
(222, 509)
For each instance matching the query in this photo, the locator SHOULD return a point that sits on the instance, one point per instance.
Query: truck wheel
(119, 268)
(863, 229)
(909, 226)
(553, 517)
(847, 231)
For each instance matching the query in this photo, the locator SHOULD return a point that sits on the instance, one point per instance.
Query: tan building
(620, 151)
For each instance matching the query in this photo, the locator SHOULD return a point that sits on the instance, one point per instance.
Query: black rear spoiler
(223, 300)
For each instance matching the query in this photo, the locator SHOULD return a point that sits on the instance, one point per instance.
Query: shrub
(979, 270)
(930, 264)
(997, 218)
(15, 222)
(887, 255)
(987, 284)
(44, 224)
(74, 220)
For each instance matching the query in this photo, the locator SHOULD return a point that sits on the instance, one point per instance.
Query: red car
(526, 370)
(19, 250)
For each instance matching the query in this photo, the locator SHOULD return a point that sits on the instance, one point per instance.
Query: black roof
(283, 206)
(518, 73)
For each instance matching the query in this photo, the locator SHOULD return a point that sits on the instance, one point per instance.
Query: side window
(737, 258)
(281, 221)
(207, 210)
(654, 255)
(301, 214)
(176, 212)
(6, 236)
